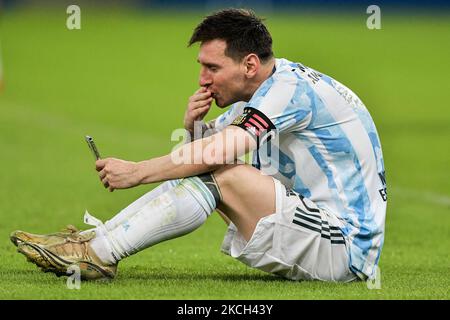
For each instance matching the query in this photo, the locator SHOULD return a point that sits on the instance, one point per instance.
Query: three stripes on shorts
(310, 218)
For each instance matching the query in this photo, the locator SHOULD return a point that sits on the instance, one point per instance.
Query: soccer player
(312, 204)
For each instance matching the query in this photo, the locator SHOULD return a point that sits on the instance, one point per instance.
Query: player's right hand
(198, 106)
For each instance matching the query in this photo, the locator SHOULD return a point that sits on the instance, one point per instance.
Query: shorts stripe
(302, 215)
(324, 230)
(306, 226)
(307, 214)
(299, 215)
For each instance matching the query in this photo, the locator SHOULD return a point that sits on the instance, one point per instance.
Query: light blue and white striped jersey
(328, 151)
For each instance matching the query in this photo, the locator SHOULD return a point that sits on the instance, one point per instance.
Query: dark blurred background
(256, 4)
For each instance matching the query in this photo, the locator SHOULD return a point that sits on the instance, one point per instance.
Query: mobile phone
(91, 144)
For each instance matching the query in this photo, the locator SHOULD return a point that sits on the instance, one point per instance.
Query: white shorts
(299, 241)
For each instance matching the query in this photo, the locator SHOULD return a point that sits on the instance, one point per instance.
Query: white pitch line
(428, 196)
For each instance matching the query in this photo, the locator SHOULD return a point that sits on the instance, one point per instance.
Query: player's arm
(245, 134)
(197, 157)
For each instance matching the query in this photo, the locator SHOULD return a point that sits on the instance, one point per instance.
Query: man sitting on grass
(312, 204)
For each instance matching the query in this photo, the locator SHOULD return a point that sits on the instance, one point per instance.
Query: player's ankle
(102, 249)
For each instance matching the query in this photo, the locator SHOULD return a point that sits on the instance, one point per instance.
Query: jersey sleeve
(280, 106)
(226, 118)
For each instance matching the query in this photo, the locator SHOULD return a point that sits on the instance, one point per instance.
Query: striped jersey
(326, 148)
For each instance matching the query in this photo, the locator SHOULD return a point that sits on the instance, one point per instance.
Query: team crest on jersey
(240, 119)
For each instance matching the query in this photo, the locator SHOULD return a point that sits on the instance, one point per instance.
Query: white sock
(103, 250)
(179, 210)
(140, 203)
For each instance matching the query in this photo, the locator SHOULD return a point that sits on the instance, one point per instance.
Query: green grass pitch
(125, 77)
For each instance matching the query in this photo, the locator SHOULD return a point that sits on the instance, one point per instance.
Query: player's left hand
(117, 174)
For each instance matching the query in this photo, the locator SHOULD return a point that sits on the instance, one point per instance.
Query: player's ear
(251, 64)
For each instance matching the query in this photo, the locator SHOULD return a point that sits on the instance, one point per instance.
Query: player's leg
(241, 191)
(273, 229)
(299, 241)
(176, 212)
(22, 236)
(247, 196)
(223, 216)
(140, 203)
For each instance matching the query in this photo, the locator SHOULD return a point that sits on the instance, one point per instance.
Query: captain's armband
(256, 123)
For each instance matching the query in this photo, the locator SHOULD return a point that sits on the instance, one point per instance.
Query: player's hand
(198, 106)
(118, 174)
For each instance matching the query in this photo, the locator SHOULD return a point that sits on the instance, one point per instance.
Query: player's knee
(230, 173)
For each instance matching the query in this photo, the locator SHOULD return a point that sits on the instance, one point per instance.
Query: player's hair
(241, 29)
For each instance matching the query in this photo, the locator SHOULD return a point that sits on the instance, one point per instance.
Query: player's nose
(204, 79)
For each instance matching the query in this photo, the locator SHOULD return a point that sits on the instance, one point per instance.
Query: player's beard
(222, 103)
(218, 100)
